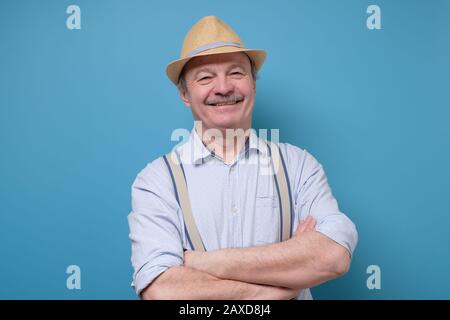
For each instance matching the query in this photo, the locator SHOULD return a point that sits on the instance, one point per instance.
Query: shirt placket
(234, 208)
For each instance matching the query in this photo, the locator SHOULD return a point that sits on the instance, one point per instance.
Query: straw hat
(210, 35)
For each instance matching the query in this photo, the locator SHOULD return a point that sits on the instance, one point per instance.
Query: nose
(223, 86)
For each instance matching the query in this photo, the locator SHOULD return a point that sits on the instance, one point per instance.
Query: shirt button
(234, 209)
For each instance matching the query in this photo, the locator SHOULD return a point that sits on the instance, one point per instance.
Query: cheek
(249, 95)
(246, 88)
(200, 95)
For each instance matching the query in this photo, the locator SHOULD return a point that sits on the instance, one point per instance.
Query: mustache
(231, 99)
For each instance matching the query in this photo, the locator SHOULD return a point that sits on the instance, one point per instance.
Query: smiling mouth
(227, 103)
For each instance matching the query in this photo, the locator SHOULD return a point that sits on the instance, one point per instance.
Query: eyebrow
(202, 70)
(237, 66)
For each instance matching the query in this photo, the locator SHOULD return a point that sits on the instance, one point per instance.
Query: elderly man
(207, 221)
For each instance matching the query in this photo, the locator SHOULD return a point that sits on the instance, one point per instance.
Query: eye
(236, 74)
(204, 79)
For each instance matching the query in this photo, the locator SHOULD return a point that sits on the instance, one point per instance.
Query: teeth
(224, 104)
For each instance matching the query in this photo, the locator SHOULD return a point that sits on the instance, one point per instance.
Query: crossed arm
(276, 271)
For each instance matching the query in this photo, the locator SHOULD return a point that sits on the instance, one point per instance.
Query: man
(256, 235)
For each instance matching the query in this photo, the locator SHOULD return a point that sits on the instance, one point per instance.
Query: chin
(227, 120)
(227, 123)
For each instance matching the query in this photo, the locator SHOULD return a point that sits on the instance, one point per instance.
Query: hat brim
(174, 68)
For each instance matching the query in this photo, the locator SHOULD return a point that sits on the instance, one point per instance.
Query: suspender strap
(284, 192)
(182, 195)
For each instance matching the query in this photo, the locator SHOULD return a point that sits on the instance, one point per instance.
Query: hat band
(213, 45)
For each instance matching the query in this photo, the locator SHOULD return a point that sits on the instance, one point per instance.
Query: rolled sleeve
(151, 271)
(313, 196)
(339, 228)
(155, 226)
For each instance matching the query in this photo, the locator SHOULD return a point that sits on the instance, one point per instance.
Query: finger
(300, 228)
(303, 225)
(311, 224)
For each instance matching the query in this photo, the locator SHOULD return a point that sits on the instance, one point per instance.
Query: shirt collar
(194, 150)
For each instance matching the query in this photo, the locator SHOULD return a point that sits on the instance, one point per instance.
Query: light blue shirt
(234, 205)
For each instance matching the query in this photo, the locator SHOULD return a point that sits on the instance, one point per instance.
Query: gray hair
(182, 82)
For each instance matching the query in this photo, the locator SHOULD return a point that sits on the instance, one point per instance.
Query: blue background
(82, 111)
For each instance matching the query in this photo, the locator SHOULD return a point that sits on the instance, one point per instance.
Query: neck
(225, 142)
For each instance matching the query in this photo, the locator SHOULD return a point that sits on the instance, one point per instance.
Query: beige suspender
(183, 199)
(281, 184)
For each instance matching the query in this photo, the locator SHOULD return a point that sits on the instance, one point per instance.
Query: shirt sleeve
(155, 226)
(313, 196)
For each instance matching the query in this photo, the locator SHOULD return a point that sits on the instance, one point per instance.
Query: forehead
(218, 60)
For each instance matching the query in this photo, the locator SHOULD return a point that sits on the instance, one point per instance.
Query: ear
(184, 95)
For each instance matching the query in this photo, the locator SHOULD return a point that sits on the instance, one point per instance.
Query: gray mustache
(225, 100)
